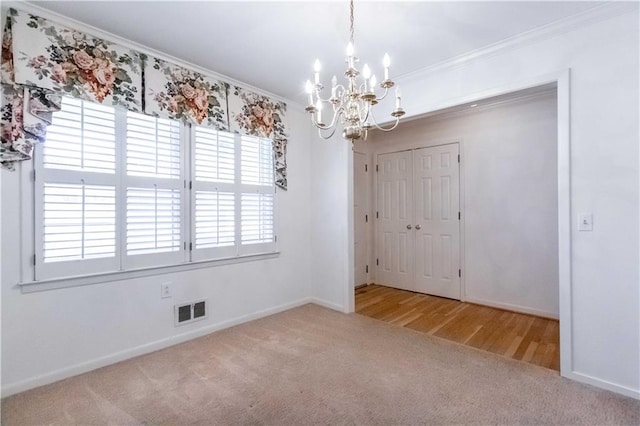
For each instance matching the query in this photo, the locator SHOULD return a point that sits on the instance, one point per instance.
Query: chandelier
(351, 104)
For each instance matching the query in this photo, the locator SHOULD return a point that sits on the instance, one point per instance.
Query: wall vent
(188, 312)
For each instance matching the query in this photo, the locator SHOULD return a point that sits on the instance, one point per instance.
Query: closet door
(395, 240)
(437, 224)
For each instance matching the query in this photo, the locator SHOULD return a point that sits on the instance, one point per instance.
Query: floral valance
(176, 92)
(43, 61)
(258, 115)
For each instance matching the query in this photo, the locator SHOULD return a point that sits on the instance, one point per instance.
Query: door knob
(408, 226)
(418, 226)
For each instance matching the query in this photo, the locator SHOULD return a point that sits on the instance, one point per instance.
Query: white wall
(603, 58)
(509, 197)
(52, 334)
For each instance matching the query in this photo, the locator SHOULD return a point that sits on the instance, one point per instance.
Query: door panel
(437, 251)
(395, 243)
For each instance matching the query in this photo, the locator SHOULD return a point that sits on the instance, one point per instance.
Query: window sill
(52, 284)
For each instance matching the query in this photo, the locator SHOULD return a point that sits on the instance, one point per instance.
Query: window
(117, 191)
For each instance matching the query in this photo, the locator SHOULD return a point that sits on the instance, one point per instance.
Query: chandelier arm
(388, 129)
(386, 91)
(321, 126)
(329, 136)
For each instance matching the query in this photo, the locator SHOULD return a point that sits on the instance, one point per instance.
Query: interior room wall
(509, 198)
(602, 53)
(53, 334)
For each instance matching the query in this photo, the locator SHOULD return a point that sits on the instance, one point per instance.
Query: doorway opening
(465, 207)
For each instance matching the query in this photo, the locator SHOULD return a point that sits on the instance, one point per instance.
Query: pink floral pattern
(176, 92)
(259, 115)
(51, 56)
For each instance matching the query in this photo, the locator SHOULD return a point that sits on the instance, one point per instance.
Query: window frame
(39, 275)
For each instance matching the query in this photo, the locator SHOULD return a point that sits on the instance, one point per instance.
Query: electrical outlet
(165, 290)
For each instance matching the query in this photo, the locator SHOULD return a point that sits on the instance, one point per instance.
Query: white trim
(349, 296)
(535, 35)
(511, 307)
(52, 284)
(166, 342)
(328, 305)
(81, 26)
(603, 384)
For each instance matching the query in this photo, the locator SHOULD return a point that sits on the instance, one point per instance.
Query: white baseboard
(510, 307)
(84, 367)
(326, 304)
(603, 384)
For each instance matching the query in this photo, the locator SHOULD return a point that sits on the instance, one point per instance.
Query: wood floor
(519, 336)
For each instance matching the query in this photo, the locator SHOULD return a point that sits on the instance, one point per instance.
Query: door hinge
(366, 218)
(366, 269)
(460, 272)
(34, 260)
(458, 158)
(376, 215)
(190, 246)
(366, 168)
(33, 175)
(377, 262)
(459, 216)
(190, 184)
(376, 167)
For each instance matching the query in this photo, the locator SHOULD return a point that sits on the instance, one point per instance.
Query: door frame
(367, 230)
(420, 145)
(562, 80)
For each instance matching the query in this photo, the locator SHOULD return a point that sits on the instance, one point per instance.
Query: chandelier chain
(351, 21)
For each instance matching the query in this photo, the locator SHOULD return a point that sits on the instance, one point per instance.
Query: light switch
(585, 222)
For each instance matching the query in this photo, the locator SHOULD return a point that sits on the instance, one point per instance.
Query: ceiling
(272, 45)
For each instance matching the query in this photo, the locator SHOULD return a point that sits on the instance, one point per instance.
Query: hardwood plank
(515, 335)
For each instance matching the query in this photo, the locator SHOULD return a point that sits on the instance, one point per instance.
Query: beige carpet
(311, 365)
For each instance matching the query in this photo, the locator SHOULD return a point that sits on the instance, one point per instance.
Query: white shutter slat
(257, 218)
(153, 220)
(153, 147)
(256, 162)
(81, 138)
(214, 219)
(78, 222)
(214, 156)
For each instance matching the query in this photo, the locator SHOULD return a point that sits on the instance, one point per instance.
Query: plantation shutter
(213, 194)
(257, 195)
(75, 192)
(154, 191)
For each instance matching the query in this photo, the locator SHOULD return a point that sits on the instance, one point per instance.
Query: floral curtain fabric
(258, 115)
(51, 56)
(43, 61)
(172, 91)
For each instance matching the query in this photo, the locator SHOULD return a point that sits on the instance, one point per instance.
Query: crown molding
(29, 7)
(562, 26)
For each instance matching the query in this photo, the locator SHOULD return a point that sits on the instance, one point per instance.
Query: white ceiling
(272, 45)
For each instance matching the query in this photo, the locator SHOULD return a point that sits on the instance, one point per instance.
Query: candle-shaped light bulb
(350, 60)
(398, 97)
(308, 87)
(334, 84)
(319, 111)
(366, 72)
(350, 49)
(373, 82)
(316, 68)
(386, 61)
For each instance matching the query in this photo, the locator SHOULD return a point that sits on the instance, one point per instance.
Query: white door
(395, 238)
(437, 222)
(360, 208)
